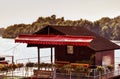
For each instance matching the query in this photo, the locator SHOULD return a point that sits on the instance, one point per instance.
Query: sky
(27, 11)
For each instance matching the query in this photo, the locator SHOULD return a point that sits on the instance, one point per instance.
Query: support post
(12, 59)
(38, 58)
(51, 55)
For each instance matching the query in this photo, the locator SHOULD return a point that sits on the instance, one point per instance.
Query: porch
(48, 73)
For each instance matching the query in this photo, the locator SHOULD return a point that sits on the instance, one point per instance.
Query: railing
(105, 75)
(34, 59)
(95, 75)
(92, 75)
(47, 59)
(24, 71)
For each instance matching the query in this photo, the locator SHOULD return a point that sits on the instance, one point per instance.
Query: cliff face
(1, 31)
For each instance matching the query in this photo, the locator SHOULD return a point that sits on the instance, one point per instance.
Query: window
(70, 49)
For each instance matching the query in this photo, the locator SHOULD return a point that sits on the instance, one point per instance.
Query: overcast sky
(27, 11)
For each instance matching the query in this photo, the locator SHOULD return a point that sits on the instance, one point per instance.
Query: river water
(21, 52)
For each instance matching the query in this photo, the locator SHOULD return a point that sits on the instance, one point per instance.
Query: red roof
(55, 39)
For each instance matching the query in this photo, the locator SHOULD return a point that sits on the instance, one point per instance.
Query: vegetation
(1, 31)
(106, 27)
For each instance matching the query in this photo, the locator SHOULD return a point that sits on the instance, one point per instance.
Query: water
(117, 55)
(20, 51)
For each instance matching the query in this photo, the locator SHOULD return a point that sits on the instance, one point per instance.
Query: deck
(23, 74)
(28, 73)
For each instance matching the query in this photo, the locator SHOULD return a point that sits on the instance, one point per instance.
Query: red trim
(55, 39)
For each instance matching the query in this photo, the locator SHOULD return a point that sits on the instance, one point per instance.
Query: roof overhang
(54, 40)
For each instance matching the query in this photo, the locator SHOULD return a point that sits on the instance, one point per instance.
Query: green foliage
(100, 68)
(30, 64)
(110, 67)
(106, 27)
(79, 68)
(92, 59)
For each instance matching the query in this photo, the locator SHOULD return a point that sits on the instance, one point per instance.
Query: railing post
(118, 69)
(12, 59)
(54, 73)
(94, 73)
(70, 74)
(106, 74)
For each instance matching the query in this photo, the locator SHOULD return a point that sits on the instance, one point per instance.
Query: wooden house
(99, 52)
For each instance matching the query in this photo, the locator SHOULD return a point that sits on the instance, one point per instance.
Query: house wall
(80, 54)
(105, 58)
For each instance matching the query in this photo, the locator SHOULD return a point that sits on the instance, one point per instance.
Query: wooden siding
(80, 54)
(105, 58)
(103, 47)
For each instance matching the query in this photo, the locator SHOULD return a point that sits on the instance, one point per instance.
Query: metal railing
(34, 59)
(94, 75)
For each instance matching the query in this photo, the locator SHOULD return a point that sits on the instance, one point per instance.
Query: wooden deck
(60, 77)
(27, 75)
(63, 76)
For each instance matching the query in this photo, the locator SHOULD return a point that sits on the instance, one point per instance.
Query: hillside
(1, 31)
(106, 27)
